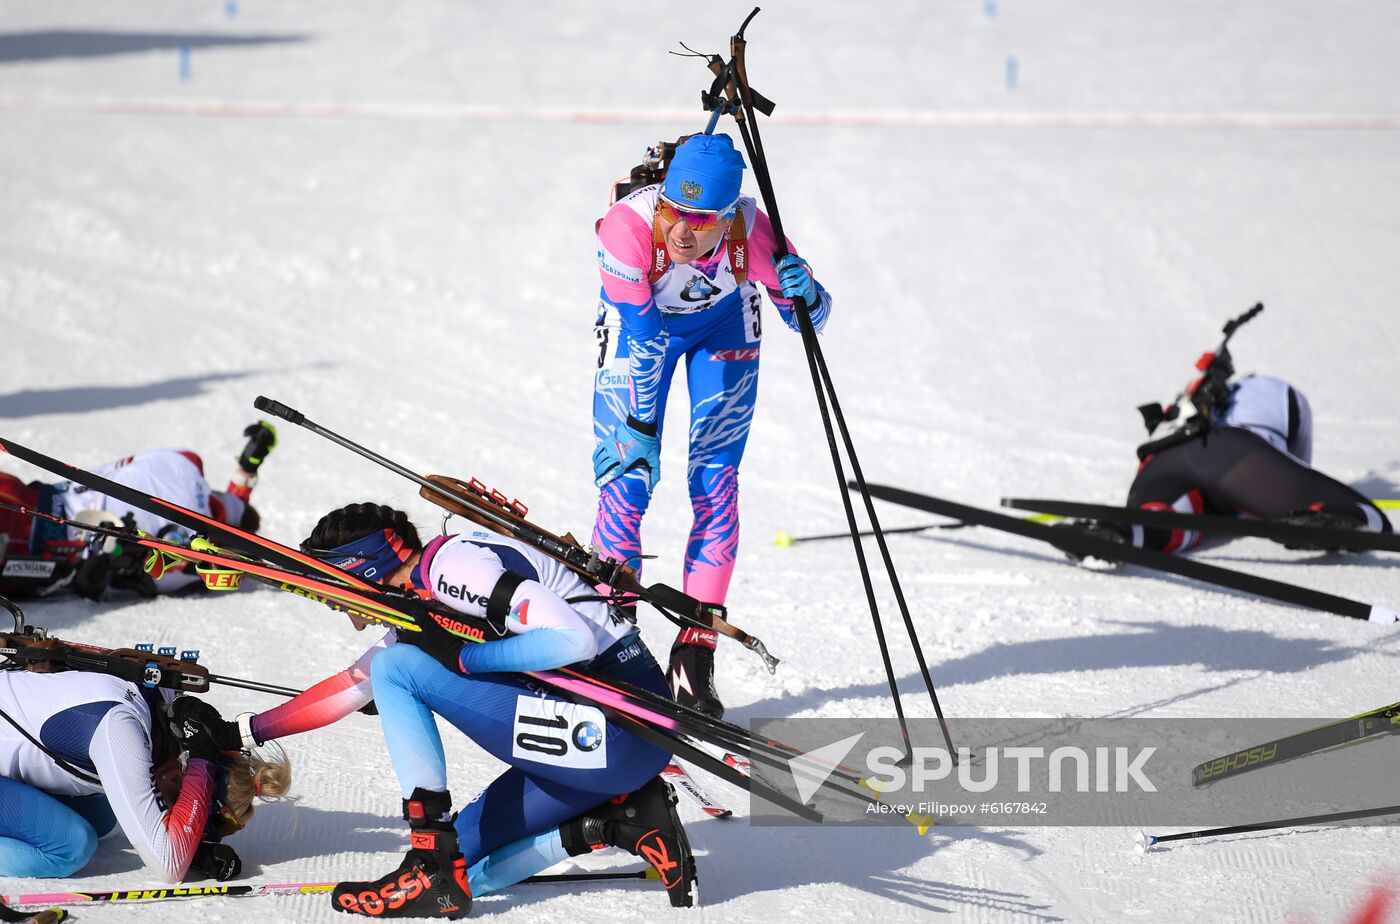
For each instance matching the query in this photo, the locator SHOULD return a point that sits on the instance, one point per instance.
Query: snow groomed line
(895, 118)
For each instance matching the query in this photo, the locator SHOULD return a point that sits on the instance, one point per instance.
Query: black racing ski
(1276, 530)
(1382, 721)
(650, 716)
(1092, 546)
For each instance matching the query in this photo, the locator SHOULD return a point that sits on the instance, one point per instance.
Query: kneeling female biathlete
(82, 754)
(575, 783)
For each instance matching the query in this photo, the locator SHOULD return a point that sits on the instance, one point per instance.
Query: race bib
(548, 731)
(753, 321)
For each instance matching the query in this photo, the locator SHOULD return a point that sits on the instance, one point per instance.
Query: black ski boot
(431, 882)
(1094, 529)
(692, 672)
(644, 823)
(1324, 518)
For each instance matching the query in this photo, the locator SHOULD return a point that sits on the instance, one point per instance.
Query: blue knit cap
(705, 173)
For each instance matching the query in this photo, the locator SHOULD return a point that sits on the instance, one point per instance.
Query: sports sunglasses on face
(695, 219)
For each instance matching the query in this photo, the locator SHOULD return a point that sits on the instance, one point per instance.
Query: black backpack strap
(498, 604)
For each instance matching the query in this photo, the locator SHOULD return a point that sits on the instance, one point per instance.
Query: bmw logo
(587, 736)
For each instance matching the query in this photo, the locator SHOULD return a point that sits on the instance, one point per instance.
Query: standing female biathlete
(81, 753)
(678, 272)
(566, 760)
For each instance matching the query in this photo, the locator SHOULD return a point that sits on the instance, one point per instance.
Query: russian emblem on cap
(691, 190)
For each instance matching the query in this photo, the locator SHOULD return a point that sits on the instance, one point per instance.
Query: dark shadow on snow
(77, 43)
(1149, 645)
(739, 859)
(734, 859)
(82, 399)
(1126, 570)
(285, 831)
(1378, 486)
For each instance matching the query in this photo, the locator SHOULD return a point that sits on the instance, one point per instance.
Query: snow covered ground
(1033, 215)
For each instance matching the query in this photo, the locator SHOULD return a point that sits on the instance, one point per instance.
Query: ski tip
(782, 539)
(1383, 615)
(1143, 842)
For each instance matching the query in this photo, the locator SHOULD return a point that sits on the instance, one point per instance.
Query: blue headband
(372, 557)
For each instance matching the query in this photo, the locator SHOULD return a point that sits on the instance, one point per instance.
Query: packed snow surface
(1033, 217)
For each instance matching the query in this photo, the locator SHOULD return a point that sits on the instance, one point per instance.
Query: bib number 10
(561, 734)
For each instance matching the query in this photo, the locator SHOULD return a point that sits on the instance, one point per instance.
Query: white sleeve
(121, 753)
(464, 575)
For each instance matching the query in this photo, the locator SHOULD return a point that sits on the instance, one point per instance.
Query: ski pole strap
(159, 563)
(215, 576)
(713, 616)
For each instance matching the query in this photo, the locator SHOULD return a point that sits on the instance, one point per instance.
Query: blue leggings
(534, 795)
(719, 348)
(45, 836)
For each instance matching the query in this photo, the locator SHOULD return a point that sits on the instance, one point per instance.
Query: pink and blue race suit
(703, 316)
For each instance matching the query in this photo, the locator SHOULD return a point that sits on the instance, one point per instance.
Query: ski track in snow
(385, 219)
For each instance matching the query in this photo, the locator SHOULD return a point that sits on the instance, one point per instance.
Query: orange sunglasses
(698, 220)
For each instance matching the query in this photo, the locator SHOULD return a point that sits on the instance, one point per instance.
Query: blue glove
(796, 279)
(626, 447)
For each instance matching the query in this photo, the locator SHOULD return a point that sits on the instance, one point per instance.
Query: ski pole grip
(1243, 319)
(278, 409)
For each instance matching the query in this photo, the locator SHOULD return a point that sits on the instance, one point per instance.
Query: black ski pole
(825, 390)
(1148, 841)
(783, 539)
